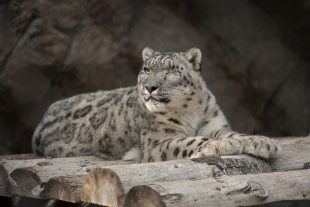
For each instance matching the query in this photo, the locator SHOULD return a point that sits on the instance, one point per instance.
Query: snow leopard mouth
(158, 99)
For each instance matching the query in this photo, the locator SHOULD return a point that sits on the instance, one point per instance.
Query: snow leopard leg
(256, 145)
(157, 147)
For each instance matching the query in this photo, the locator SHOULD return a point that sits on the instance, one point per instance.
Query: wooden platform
(214, 181)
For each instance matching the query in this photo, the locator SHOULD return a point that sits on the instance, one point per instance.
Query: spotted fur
(170, 114)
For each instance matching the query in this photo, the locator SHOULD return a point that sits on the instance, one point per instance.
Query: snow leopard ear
(193, 55)
(147, 53)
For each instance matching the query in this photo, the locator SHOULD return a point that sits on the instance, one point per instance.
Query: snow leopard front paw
(261, 146)
(221, 147)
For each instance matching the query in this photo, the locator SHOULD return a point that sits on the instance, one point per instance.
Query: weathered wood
(12, 162)
(19, 157)
(65, 184)
(11, 165)
(138, 174)
(235, 165)
(69, 188)
(113, 191)
(150, 172)
(241, 190)
(142, 196)
(66, 188)
(30, 181)
(6, 169)
(296, 153)
(130, 175)
(60, 186)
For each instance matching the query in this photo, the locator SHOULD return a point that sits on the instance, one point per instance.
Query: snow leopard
(170, 114)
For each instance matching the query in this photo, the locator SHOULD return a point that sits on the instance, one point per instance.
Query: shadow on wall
(256, 57)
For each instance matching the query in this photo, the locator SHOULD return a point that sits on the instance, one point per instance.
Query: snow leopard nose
(150, 89)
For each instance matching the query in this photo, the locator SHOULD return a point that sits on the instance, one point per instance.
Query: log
(141, 196)
(65, 188)
(62, 187)
(11, 165)
(113, 190)
(30, 181)
(5, 184)
(12, 162)
(241, 190)
(19, 157)
(295, 154)
(66, 185)
(138, 174)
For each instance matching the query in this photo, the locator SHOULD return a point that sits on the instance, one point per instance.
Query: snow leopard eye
(147, 71)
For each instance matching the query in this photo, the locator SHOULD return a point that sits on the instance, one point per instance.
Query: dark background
(256, 57)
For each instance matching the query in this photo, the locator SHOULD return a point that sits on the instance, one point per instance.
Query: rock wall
(256, 57)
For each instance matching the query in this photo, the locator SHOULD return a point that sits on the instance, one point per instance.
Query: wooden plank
(5, 184)
(69, 188)
(188, 169)
(295, 156)
(141, 196)
(19, 157)
(30, 181)
(242, 190)
(65, 188)
(138, 174)
(113, 189)
(62, 188)
(228, 165)
(296, 153)
(12, 162)
(11, 165)
(152, 172)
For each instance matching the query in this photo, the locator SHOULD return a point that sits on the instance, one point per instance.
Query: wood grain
(241, 190)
